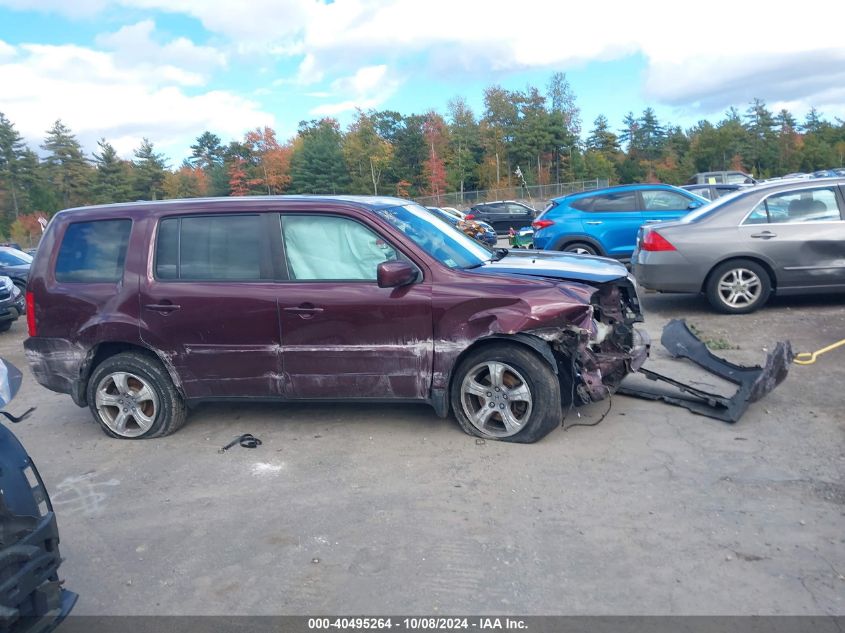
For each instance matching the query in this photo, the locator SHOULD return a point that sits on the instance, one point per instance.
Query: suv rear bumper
(57, 364)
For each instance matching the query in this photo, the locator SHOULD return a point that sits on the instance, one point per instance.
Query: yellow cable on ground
(810, 357)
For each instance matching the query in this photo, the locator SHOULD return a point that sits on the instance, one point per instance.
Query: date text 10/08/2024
(417, 623)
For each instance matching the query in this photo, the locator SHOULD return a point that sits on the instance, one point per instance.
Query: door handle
(593, 222)
(652, 221)
(304, 311)
(765, 235)
(164, 308)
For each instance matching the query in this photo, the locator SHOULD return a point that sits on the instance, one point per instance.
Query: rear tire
(738, 286)
(5, 325)
(579, 248)
(506, 392)
(132, 397)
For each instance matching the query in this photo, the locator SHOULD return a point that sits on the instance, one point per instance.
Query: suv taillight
(469, 216)
(541, 224)
(30, 313)
(654, 241)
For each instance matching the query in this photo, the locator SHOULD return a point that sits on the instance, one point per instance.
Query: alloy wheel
(126, 403)
(496, 399)
(739, 288)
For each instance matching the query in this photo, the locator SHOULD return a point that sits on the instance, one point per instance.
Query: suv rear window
(621, 201)
(209, 248)
(93, 251)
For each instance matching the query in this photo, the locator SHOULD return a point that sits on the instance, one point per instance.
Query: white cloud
(134, 45)
(97, 96)
(708, 59)
(368, 88)
(7, 51)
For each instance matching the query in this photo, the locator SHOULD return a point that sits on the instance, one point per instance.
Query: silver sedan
(784, 238)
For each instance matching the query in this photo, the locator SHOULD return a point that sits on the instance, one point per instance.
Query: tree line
(388, 153)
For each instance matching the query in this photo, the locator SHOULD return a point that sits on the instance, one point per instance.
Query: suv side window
(209, 248)
(582, 204)
(658, 200)
(324, 247)
(93, 251)
(621, 201)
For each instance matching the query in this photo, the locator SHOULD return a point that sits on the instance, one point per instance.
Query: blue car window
(620, 201)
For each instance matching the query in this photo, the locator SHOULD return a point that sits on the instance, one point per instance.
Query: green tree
(317, 165)
(12, 149)
(465, 146)
(367, 154)
(601, 139)
(67, 170)
(763, 146)
(150, 169)
(113, 178)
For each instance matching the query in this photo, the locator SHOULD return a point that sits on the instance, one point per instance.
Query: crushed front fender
(753, 383)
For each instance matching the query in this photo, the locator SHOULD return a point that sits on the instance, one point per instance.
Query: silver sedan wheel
(127, 404)
(496, 399)
(739, 288)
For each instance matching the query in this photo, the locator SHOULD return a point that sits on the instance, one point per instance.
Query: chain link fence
(535, 195)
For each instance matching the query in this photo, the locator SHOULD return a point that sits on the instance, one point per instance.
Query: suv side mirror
(395, 273)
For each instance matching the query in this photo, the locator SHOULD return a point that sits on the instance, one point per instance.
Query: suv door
(342, 335)
(613, 219)
(661, 205)
(803, 233)
(208, 303)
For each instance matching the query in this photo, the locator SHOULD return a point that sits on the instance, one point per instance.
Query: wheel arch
(105, 350)
(534, 343)
(566, 240)
(770, 271)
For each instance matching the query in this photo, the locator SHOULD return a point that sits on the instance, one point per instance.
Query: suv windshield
(436, 237)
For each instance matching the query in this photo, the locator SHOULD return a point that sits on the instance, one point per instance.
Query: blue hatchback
(606, 221)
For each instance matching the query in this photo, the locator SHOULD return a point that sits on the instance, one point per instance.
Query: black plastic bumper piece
(753, 382)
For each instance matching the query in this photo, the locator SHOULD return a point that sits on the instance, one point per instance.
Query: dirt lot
(388, 509)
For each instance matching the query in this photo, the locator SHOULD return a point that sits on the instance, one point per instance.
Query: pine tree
(112, 182)
(317, 165)
(601, 139)
(12, 149)
(67, 169)
(149, 172)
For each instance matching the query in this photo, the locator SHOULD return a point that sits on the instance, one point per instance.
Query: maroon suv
(141, 310)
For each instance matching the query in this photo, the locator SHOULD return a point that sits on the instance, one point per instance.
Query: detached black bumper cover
(753, 382)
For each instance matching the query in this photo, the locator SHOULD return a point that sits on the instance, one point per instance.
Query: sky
(169, 69)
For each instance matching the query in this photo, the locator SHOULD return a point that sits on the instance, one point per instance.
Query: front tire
(506, 392)
(738, 286)
(132, 397)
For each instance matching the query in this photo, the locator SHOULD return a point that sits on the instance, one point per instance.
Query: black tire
(537, 418)
(5, 325)
(580, 247)
(168, 412)
(752, 286)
